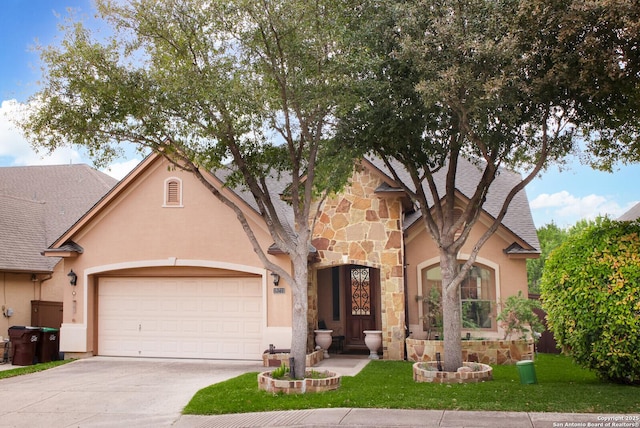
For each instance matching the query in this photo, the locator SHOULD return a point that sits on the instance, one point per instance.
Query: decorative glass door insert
(360, 292)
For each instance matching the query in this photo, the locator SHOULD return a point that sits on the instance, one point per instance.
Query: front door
(361, 286)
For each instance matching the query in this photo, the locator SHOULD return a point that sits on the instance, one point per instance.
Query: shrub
(591, 292)
(280, 372)
(517, 317)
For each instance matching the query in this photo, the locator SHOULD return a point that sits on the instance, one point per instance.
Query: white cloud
(566, 209)
(120, 169)
(14, 146)
(18, 152)
(546, 200)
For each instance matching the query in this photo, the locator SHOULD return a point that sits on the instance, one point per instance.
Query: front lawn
(562, 387)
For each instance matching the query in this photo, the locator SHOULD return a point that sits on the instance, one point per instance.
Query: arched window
(173, 192)
(478, 295)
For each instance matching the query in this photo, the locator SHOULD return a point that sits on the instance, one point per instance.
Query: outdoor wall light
(276, 279)
(73, 278)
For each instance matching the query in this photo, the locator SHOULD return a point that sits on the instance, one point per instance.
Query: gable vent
(173, 192)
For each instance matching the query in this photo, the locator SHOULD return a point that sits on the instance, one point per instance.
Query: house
(632, 214)
(165, 269)
(37, 205)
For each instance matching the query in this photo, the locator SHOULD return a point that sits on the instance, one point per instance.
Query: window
(173, 192)
(477, 294)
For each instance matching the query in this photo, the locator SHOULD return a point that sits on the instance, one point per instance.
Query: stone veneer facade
(361, 227)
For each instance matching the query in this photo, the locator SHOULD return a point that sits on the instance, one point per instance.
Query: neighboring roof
(38, 204)
(632, 214)
(22, 231)
(518, 218)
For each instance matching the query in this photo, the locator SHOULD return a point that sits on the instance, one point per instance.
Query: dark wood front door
(361, 286)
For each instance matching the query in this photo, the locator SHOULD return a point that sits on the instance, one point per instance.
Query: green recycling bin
(527, 372)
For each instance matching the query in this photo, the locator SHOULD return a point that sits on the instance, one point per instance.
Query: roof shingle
(38, 204)
(632, 214)
(518, 218)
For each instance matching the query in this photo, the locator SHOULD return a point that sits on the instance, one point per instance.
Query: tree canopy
(551, 237)
(421, 84)
(247, 89)
(505, 84)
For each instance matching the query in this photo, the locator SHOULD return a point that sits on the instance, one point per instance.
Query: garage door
(180, 317)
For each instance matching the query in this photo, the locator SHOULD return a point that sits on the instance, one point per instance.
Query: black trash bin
(48, 347)
(23, 343)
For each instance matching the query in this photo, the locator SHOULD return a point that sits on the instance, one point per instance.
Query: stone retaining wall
(481, 351)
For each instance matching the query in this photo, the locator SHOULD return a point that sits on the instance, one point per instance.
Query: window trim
(462, 257)
(166, 202)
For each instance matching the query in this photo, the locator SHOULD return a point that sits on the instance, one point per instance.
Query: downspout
(35, 278)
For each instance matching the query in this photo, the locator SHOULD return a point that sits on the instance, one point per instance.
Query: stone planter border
(277, 358)
(481, 351)
(421, 374)
(298, 386)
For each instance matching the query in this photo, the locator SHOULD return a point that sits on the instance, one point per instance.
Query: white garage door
(180, 317)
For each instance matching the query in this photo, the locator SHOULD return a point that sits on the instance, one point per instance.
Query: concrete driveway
(107, 392)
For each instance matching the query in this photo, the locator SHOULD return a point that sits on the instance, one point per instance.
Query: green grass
(562, 387)
(31, 369)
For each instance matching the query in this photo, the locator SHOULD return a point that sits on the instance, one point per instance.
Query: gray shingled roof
(277, 184)
(22, 227)
(632, 214)
(518, 218)
(38, 204)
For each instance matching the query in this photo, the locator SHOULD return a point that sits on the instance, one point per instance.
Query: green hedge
(591, 292)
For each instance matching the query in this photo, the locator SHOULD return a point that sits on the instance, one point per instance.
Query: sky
(561, 197)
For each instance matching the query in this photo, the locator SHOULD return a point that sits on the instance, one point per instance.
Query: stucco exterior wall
(52, 288)
(422, 252)
(137, 235)
(17, 290)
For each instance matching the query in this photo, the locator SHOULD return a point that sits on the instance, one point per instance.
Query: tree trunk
(451, 316)
(300, 311)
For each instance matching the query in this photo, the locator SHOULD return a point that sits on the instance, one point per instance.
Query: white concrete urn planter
(373, 340)
(323, 340)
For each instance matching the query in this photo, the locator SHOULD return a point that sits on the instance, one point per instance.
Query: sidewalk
(345, 417)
